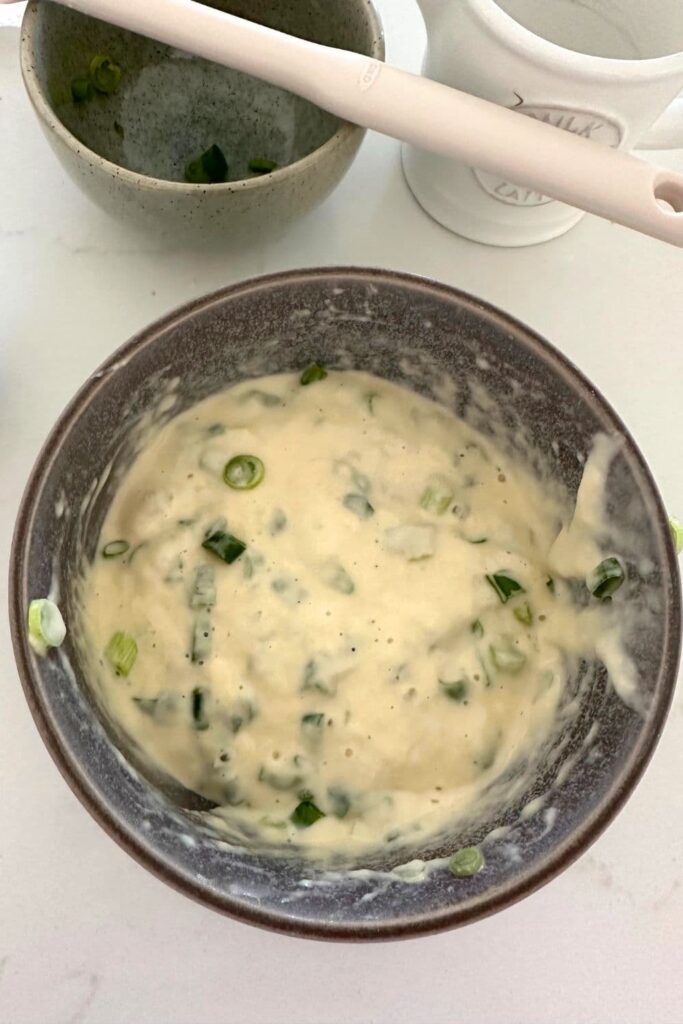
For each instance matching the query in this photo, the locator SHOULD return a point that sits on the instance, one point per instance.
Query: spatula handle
(610, 183)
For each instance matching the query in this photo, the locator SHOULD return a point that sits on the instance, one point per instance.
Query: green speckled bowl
(128, 151)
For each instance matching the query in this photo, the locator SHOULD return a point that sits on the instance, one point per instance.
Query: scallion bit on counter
(261, 165)
(677, 533)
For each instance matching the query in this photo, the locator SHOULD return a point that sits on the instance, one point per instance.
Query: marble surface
(87, 936)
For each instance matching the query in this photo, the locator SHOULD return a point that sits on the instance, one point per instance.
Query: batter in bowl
(326, 604)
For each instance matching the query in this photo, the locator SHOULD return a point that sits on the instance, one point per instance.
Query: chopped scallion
(105, 75)
(505, 586)
(477, 628)
(466, 862)
(260, 165)
(313, 720)
(359, 505)
(45, 625)
(115, 548)
(210, 168)
(677, 533)
(457, 690)
(199, 719)
(313, 373)
(306, 814)
(81, 89)
(606, 579)
(224, 546)
(507, 657)
(524, 614)
(121, 652)
(244, 472)
(437, 496)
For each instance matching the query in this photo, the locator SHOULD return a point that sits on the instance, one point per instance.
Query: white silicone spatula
(592, 177)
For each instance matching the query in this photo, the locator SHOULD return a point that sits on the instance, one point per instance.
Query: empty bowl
(129, 148)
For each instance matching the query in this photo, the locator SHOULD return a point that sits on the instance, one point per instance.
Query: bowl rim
(71, 768)
(48, 116)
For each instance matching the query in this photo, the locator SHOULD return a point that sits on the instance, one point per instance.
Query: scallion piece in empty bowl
(244, 472)
(45, 625)
(260, 165)
(105, 75)
(466, 862)
(677, 533)
(81, 89)
(210, 168)
(606, 579)
(121, 652)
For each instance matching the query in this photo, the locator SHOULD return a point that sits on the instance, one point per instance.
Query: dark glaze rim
(562, 856)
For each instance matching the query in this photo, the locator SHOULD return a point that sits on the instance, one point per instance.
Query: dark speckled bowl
(128, 151)
(410, 331)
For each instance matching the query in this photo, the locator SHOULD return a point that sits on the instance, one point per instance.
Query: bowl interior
(170, 106)
(503, 378)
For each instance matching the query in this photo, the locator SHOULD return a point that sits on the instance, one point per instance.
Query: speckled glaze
(128, 151)
(413, 332)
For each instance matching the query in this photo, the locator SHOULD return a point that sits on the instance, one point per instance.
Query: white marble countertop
(86, 935)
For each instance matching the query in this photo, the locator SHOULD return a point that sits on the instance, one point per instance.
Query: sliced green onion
(306, 814)
(505, 586)
(313, 679)
(115, 548)
(466, 862)
(216, 430)
(507, 657)
(336, 577)
(370, 400)
(341, 802)
(550, 584)
(359, 505)
(81, 89)
(225, 546)
(198, 709)
(313, 373)
(201, 638)
(203, 594)
(477, 628)
(313, 720)
(105, 75)
(606, 578)
(45, 625)
(437, 496)
(677, 533)
(211, 168)
(121, 652)
(524, 614)
(457, 691)
(244, 472)
(148, 705)
(479, 540)
(260, 165)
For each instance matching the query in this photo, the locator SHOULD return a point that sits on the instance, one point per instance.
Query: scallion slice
(505, 585)
(121, 652)
(306, 814)
(105, 75)
(606, 579)
(45, 625)
(81, 89)
(224, 546)
(477, 629)
(524, 614)
(313, 720)
(260, 165)
(210, 168)
(313, 373)
(457, 690)
(466, 862)
(507, 657)
(199, 719)
(677, 533)
(115, 548)
(359, 505)
(244, 472)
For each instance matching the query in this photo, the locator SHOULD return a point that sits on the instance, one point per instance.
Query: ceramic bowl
(413, 332)
(128, 151)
